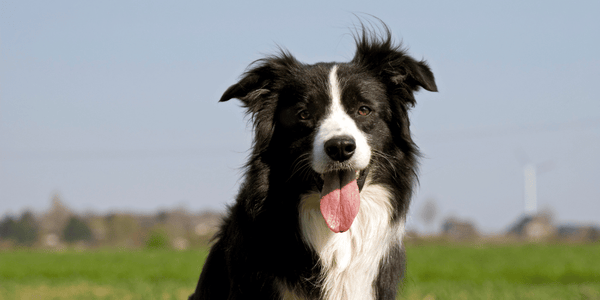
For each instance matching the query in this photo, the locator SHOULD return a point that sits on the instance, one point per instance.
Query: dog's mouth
(340, 197)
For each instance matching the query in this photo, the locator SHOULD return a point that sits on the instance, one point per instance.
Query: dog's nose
(340, 148)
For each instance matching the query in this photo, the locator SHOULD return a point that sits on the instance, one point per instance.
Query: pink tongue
(340, 200)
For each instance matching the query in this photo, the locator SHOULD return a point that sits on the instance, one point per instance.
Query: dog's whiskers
(300, 165)
(388, 158)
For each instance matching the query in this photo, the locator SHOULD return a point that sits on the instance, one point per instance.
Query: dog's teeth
(357, 174)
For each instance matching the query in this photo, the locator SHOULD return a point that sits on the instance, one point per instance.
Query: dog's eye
(304, 115)
(363, 111)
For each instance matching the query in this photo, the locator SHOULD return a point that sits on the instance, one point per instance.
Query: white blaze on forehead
(334, 89)
(338, 123)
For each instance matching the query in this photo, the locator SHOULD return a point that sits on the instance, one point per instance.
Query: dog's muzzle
(341, 185)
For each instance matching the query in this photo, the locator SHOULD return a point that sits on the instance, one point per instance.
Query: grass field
(435, 271)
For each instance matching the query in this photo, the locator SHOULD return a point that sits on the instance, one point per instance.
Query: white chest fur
(350, 260)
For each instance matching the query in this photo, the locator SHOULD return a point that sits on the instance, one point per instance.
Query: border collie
(321, 211)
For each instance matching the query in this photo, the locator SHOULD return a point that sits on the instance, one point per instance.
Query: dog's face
(329, 117)
(325, 126)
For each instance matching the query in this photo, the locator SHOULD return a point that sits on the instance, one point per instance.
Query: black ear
(253, 84)
(414, 74)
(376, 52)
(258, 90)
(259, 78)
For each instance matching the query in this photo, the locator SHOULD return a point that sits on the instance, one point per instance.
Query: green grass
(530, 271)
(435, 271)
(107, 274)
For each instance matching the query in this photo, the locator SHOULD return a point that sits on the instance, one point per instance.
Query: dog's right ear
(254, 84)
(258, 82)
(250, 87)
(258, 90)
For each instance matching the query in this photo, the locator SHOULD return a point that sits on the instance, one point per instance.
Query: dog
(321, 211)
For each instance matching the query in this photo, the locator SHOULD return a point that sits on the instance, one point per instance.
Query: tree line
(25, 231)
(60, 227)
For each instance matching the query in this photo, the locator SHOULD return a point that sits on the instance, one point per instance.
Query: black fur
(260, 243)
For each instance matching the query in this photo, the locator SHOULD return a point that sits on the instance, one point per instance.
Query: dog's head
(328, 125)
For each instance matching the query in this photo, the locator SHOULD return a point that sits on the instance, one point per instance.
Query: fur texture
(310, 121)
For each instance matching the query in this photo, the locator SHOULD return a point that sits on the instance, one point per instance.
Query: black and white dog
(321, 212)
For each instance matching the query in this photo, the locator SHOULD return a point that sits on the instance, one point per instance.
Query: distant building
(577, 233)
(459, 229)
(52, 222)
(534, 227)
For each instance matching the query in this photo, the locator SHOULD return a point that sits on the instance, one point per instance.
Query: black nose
(340, 148)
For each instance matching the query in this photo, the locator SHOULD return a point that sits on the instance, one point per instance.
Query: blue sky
(113, 104)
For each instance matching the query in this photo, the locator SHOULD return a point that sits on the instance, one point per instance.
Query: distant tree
(157, 239)
(162, 216)
(7, 228)
(24, 231)
(27, 231)
(76, 230)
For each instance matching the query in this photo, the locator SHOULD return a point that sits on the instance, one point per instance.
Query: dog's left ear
(391, 62)
(413, 73)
